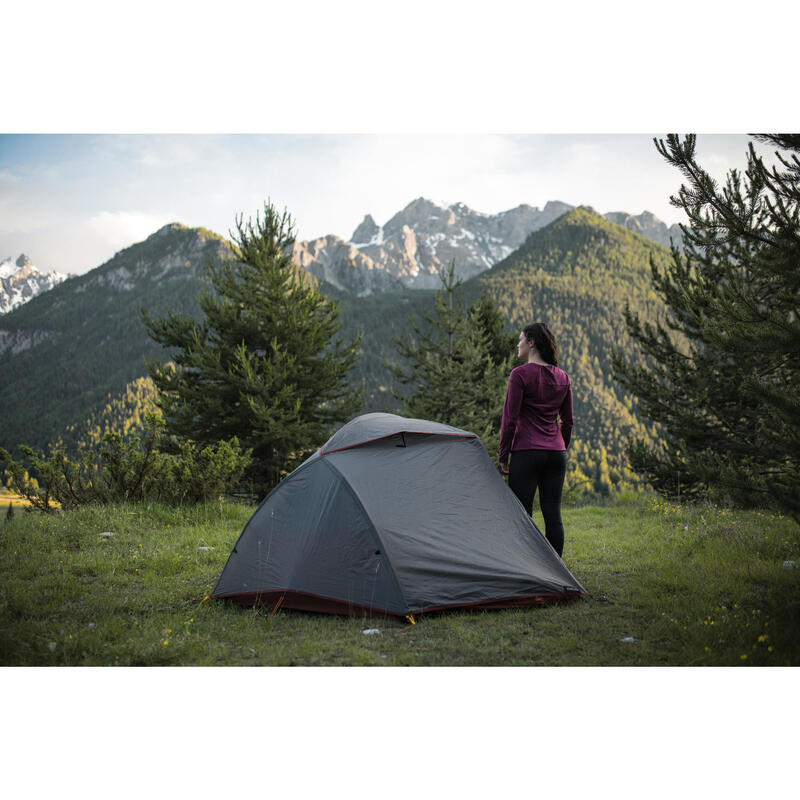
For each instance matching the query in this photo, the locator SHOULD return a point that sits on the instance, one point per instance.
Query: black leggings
(544, 469)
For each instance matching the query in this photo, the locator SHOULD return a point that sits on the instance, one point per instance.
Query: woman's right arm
(508, 426)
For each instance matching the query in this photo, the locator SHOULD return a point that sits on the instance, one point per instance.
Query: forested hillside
(72, 358)
(577, 275)
(70, 349)
(123, 413)
(82, 370)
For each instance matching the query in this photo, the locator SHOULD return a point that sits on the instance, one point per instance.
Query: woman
(538, 393)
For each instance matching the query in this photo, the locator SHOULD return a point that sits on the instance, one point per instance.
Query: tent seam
(466, 435)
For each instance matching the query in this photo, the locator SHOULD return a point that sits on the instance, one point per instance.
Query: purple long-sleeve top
(537, 396)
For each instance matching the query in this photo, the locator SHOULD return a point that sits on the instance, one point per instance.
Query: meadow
(670, 585)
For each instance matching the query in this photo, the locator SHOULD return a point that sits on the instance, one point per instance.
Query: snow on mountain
(7, 268)
(20, 281)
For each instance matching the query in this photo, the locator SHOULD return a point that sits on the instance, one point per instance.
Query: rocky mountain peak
(418, 213)
(365, 232)
(556, 207)
(421, 204)
(167, 229)
(21, 281)
(417, 242)
(649, 225)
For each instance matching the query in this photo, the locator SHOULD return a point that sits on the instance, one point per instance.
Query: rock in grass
(627, 639)
(108, 534)
(52, 646)
(790, 565)
(204, 549)
(370, 631)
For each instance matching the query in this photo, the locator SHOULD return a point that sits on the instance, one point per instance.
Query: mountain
(575, 274)
(20, 281)
(649, 226)
(416, 243)
(71, 360)
(63, 353)
(578, 274)
(331, 259)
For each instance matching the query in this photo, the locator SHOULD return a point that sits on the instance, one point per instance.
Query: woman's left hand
(503, 468)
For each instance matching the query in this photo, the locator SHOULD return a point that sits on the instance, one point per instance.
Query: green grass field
(692, 585)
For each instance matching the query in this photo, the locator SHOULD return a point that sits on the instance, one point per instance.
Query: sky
(69, 202)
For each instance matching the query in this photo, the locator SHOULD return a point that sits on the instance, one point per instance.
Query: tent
(394, 516)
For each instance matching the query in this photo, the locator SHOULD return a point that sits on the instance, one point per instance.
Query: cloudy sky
(71, 201)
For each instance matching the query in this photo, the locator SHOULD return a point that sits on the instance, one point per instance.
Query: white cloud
(76, 243)
(118, 229)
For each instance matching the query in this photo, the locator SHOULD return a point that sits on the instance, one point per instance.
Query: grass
(692, 586)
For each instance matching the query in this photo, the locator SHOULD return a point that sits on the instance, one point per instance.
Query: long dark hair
(542, 337)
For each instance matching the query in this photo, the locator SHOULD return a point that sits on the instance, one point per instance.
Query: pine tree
(496, 356)
(433, 357)
(722, 374)
(485, 316)
(457, 363)
(262, 365)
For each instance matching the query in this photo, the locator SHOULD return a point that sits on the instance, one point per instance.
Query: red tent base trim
(303, 601)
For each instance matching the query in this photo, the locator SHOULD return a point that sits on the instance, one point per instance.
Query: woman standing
(538, 394)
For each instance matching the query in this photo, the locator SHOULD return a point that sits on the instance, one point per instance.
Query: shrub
(128, 471)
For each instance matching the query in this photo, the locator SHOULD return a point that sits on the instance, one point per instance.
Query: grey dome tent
(399, 517)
